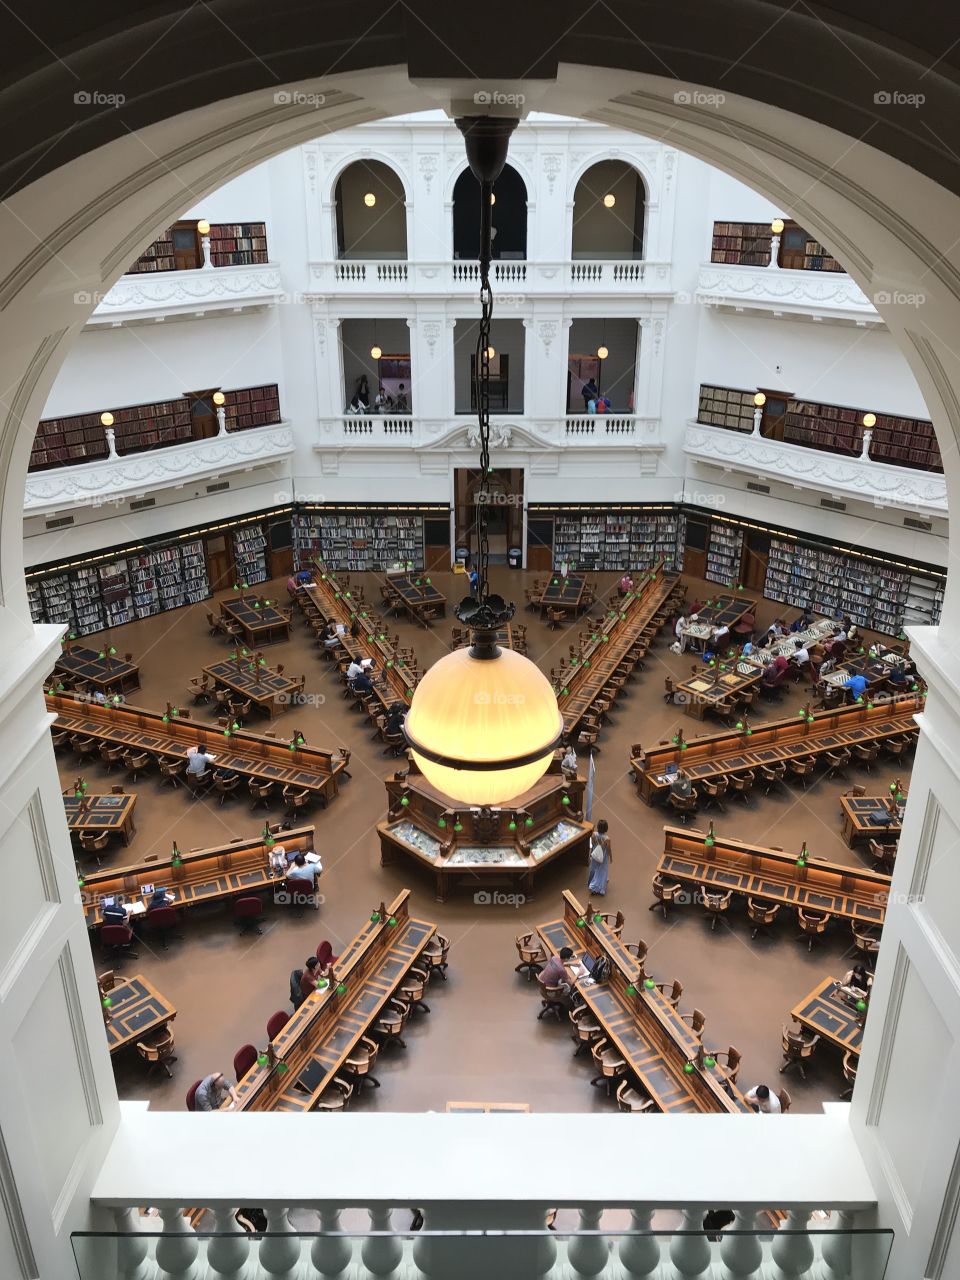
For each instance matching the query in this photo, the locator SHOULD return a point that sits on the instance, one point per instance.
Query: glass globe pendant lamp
(484, 721)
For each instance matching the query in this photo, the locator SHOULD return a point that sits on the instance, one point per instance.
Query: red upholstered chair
(247, 913)
(298, 892)
(161, 921)
(118, 939)
(192, 1095)
(325, 954)
(243, 1060)
(276, 1023)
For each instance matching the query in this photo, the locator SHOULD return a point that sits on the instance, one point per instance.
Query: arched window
(509, 216)
(371, 212)
(608, 212)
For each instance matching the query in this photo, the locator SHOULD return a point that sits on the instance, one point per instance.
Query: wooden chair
(137, 762)
(390, 1024)
(866, 940)
(217, 625)
(358, 1068)
(669, 689)
(412, 989)
(836, 762)
(170, 771)
(335, 1096)
(785, 1101)
(761, 915)
(631, 1099)
(884, 856)
(772, 775)
(198, 783)
(858, 789)
(199, 689)
(260, 793)
(435, 954)
(697, 1022)
(638, 949)
(111, 755)
(671, 991)
(683, 806)
(296, 801)
(586, 1030)
(813, 924)
(553, 1000)
(613, 921)
(225, 787)
(798, 1048)
(865, 754)
(730, 1061)
(664, 893)
(611, 1066)
(741, 784)
(803, 769)
(851, 1061)
(713, 792)
(94, 844)
(158, 1053)
(894, 748)
(556, 618)
(715, 904)
(240, 710)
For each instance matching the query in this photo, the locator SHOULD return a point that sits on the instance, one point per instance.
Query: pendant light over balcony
(484, 721)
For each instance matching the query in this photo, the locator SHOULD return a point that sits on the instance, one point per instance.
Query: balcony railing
(628, 277)
(812, 1215)
(836, 474)
(118, 478)
(777, 291)
(511, 431)
(153, 295)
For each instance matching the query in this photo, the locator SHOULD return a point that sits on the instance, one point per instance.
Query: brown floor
(482, 1040)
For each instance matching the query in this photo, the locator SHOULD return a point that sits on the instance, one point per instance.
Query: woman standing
(601, 856)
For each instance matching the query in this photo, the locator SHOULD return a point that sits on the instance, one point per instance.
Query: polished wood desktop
(106, 673)
(506, 844)
(98, 813)
(136, 1009)
(250, 754)
(260, 623)
(723, 682)
(649, 1033)
(873, 669)
(721, 611)
(317, 1040)
(708, 756)
(831, 1017)
(250, 679)
(871, 818)
(214, 874)
(421, 599)
(562, 593)
(510, 636)
(772, 876)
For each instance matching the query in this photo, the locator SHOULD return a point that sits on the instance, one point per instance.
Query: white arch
(369, 153)
(647, 176)
(454, 176)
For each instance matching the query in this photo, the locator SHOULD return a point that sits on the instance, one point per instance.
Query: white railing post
(228, 1255)
(178, 1247)
(279, 1255)
(330, 1256)
(381, 1255)
(836, 1253)
(690, 1254)
(867, 437)
(221, 420)
(774, 251)
(111, 434)
(588, 1255)
(792, 1250)
(742, 1255)
(640, 1255)
(205, 249)
(132, 1248)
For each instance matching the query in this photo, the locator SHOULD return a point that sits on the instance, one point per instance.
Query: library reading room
(481, 644)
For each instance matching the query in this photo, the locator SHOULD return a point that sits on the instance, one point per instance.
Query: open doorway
(581, 370)
(504, 511)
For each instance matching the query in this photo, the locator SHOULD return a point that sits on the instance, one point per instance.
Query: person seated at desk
(763, 1100)
(364, 681)
(856, 983)
(626, 584)
(312, 973)
(680, 630)
(779, 628)
(775, 674)
(212, 1090)
(681, 786)
(721, 636)
(301, 869)
(897, 678)
(292, 587)
(356, 668)
(157, 899)
(747, 649)
(856, 686)
(115, 913)
(199, 760)
(803, 623)
(801, 656)
(393, 724)
(569, 762)
(554, 972)
(330, 636)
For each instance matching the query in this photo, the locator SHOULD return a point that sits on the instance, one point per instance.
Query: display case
(489, 846)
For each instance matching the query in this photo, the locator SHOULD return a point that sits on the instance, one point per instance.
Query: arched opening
(370, 212)
(609, 209)
(509, 216)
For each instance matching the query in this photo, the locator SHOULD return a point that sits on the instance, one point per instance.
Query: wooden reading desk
(136, 1009)
(260, 622)
(722, 611)
(650, 1034)
(563, 593)
(204, 875)
(101, 673)
(507, 637)
(715, 685)
(261, 685)
(870, 818)
(251, 754)
(872, 669)
(734, 751)
(321, 1035)
(420, 597)
(99, 813)
(772, 876)
(830, 1016)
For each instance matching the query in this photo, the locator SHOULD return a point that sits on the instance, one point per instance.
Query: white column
(228, 1255)
(132, 1249)
(742, 1255)
(792, 1249)
(640, 1255)
(588, 1255)
(280, 1256)
(330, 1256)
(381, 1255)
(836, 1255)
(690, 1254)
(178, 1249)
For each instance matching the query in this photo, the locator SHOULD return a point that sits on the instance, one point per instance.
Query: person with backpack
(601, 857)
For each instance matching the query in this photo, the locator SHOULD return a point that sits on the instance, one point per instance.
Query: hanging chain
(482, 394)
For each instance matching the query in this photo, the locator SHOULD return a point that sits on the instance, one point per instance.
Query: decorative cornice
(152, 293)
(825, 294)
(114, 480)
(832, 473)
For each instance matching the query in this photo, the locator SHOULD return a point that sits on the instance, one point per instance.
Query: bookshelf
(156, 257)
(57, 600)
(306, 541)
(723, 554)
(747, 244)
(726, 407)
(359, 540)
(905, 442)
(817, 258)
(35, 601)
(116, 593)
(193, 566)
(823, 426)
(250, 554)
(87, 601)
(611, 540)
(237, 244)
(143, 585)
(252, 406)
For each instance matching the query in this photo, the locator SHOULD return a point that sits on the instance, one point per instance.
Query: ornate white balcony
(152, 296)
(392, 276)
(117, 479)
(829, 473)
(772, 291)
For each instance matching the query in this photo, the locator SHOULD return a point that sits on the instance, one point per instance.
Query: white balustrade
(330, 1256)
(640, 1254)
(742, 1255)
(381, 1254)
(690, 1254)
(279, 1254)
(132, 1249)
(178, 1249)
(228, 1254)
(837, 1249)
(792, 1249)
(588, 1254)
